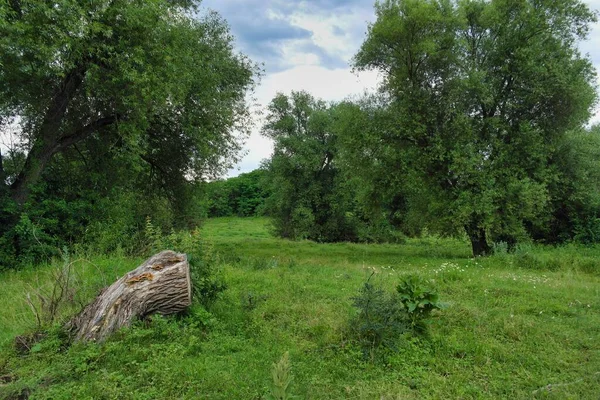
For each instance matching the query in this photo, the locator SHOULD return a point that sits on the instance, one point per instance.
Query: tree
(119, 106)
(574, 212)
(483, 90)
(170, 85)
(308, 197)
(242, 196)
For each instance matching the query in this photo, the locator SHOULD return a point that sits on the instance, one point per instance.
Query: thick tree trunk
(161, 285)
(478, 239)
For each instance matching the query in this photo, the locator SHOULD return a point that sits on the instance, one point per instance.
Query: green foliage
(575, 193)
(419, 300)
(241, 196)
(479, 95)
(104, 100)
(381, 320)
(282, 378)
(309, 199)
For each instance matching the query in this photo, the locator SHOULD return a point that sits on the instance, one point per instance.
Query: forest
(438, 237)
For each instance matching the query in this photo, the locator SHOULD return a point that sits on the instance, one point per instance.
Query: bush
(419, 300)
(383, 318)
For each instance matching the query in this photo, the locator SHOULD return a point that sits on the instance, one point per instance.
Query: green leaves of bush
(383, 317)
(418, 298)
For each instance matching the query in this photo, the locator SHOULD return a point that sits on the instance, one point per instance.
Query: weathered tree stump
(161, 285)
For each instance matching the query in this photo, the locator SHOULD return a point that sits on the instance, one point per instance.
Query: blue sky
(307, 44)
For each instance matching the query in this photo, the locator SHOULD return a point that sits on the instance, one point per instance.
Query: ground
(514, 326)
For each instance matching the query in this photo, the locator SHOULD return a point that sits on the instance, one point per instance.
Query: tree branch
(84, 132)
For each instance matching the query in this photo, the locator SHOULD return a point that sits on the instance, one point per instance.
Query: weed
(281, 379)
(419, 300)
(251, 300)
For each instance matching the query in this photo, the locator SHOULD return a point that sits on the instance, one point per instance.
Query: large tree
(307, 195)
(166, 83)
(483, 90)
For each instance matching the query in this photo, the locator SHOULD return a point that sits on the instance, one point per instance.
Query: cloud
(282, 34)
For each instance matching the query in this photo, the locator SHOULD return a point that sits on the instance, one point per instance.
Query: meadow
(514, 325)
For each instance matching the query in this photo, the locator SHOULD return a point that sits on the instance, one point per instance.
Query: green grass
(514, 324)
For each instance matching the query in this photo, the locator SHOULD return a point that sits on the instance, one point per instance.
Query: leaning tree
(163, 80)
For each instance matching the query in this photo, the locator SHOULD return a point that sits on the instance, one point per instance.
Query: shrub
(419, 299)
(381, 318)
(384, 317)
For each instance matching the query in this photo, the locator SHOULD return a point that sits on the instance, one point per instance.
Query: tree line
(479, 128)
(121, 111)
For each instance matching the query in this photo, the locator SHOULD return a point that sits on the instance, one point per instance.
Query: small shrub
(419, 300)
(381, 318)
(589, 266)
(500, 248)
(528, 261)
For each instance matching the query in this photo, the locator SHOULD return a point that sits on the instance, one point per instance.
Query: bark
(478, 239)
(161, 285)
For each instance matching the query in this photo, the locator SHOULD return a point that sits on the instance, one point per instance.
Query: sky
(307, 45)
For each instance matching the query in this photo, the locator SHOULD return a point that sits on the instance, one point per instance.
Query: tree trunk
(2, 175)
(478, 239)
(47, 137)
(161, 285)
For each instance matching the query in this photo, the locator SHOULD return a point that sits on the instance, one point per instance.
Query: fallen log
(161, 285)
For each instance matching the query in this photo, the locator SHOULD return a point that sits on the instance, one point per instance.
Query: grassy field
(515, 326)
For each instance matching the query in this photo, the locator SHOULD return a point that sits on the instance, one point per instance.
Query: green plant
(251, 300)
(419, 300)
(381, 319)
(282, 378)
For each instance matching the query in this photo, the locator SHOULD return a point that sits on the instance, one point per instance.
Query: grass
(522, 325)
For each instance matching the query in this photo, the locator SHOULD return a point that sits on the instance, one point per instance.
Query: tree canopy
(483, 91)
(149, 94)
(148, 70)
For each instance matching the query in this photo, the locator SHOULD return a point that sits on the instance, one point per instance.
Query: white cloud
(321, 82)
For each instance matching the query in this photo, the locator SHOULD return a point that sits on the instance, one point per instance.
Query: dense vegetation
(474, 130)
(123, 117)
(118, 110)
(241, 196)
